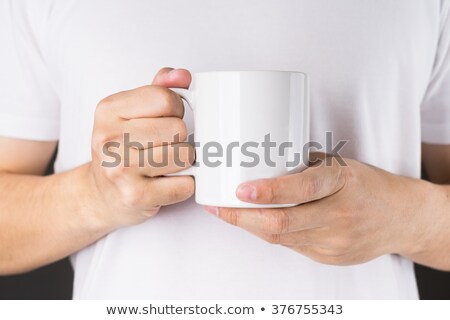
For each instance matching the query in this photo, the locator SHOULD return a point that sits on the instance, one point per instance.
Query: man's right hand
(125, 195)
(47, 218)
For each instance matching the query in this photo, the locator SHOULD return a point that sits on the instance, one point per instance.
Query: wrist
(82, 189)
(418, 224)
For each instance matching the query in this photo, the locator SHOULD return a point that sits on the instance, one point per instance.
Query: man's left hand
(347, 214)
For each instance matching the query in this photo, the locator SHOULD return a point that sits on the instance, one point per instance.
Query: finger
(312, 184)
(144, 102)
(159, 161)
(175, 78)
(172, 190)
(144, 133)
(272, 221)
(147, 193)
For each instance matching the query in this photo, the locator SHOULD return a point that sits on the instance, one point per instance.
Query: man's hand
(47, 218)
(127, 195)
(347, 214)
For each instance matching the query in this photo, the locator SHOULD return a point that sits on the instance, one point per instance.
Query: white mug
(236, 111)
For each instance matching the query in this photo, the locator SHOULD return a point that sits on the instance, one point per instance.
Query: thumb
(169, 77)
(314, 183)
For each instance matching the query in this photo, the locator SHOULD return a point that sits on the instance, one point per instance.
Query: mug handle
(299, 134)
(186, 95)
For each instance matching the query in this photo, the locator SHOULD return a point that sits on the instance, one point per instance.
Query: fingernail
(246, 192)
(172, 73)
(212, 210)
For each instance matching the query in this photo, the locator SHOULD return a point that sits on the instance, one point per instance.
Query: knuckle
(311, 187)
(151, 172)
(346, 174)
(131, 196)
(113, 174)
(230, 215)
(105, 104)
(101, 135)
(168, 100)
(270, 191)
(150, 213)
(179, 129)
(100, 139)
(103, 109)
(185, 154)
(273, 238)
(278, 222)
(267, 189)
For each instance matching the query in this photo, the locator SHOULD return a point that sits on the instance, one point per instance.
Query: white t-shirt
(380, 78)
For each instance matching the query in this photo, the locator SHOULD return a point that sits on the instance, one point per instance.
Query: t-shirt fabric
(379, 77)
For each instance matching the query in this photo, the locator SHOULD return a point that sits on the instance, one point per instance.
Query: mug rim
(250, 71)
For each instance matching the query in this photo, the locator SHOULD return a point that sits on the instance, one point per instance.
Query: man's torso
(368, 63)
